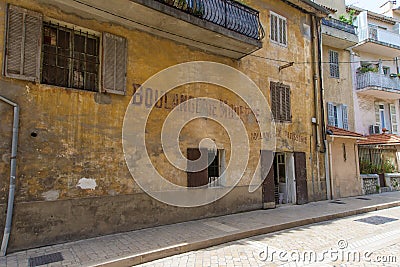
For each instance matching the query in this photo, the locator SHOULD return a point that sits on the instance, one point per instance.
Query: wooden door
(301, 177)
(267, 171)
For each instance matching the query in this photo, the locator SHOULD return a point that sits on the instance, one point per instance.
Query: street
(371, 239)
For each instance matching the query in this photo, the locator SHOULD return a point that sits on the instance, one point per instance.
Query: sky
(372, 5)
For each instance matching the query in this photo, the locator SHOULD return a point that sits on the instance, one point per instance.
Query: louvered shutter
(24, 32)
(331, 114)
(334, 64)
(393, 118)
(274, 28)
(282, 31)
(288, 115)
(274, 98)
(114, 64)
(377, 115)
(345, 117)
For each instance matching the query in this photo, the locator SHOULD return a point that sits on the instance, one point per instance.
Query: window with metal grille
(278, 29)
(214, 168)
(70, 58)
(280, 102)
(334, 64)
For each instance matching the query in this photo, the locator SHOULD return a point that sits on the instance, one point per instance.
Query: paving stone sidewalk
(130, 248)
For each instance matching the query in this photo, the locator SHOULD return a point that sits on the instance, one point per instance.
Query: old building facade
(337, 39)
(73, 67)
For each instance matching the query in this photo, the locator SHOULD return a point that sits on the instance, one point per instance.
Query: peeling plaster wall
(67, 135)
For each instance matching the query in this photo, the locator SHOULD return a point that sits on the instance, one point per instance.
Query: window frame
(338, 115)
(72, 29)
(278, 32)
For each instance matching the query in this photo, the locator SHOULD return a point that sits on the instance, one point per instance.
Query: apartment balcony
(336, 33)
(223, 27)
(378, 85)
(379, 41)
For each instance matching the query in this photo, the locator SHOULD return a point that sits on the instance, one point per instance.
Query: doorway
(284, 179)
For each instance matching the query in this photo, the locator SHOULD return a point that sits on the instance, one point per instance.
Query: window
(334, 64)
(211, 175)
(56, 54)
(70, 58)
(278, 29)
(386, 70)
(280, 102)
(338, 116)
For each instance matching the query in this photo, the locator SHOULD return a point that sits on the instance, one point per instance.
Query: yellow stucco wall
(345, 177)
(78, 137)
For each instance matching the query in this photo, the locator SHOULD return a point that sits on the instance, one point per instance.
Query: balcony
(378, 85)
(336, 33)
(379, 41)
(223, 27)
(229, 14)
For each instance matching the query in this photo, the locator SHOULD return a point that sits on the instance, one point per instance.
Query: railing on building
(340, 25)
(226, 13)
(373, 79)
(380, 35)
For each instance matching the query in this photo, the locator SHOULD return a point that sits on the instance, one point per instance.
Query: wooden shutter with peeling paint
(23, 37)
(114, 64)
(393, 118)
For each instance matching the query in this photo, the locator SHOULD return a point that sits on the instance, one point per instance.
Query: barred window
(278, 29)
(334, 64)
(62, 55)
(70, 58)
(280, 102)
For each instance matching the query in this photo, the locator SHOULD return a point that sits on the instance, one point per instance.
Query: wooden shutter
(24, 35)
(200, 178)
(274, 100)
(393, 118)
(334, 64)
(377, 115)
(286, 104)
(274, 28)
(301, 177)
(114, 64)
(345, 117)
(282, 31)
(267, 173)
(331, 114)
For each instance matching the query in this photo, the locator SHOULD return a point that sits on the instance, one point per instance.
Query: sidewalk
(127, 249)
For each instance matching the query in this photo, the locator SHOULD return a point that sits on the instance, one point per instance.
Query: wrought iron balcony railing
(229, 14)
(340, 25)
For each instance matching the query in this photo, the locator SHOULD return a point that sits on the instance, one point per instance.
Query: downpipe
(13, 169)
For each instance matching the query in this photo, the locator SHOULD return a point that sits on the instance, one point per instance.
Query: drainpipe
(13, 163)
(316, 72)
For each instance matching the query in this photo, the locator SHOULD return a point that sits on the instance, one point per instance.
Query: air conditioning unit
(374, 129)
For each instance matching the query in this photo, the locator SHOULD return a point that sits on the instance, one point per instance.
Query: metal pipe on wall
(13, 169)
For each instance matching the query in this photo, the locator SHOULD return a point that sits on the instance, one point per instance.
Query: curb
(183, 248)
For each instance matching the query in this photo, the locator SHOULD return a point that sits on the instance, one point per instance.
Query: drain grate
(376, 220)
(45, 259)
(338, 202)
(363, 198)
